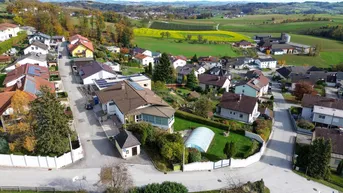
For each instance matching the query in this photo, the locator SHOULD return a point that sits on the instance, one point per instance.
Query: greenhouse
(200, 139)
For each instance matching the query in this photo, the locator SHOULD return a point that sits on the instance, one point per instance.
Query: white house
(30, 58)
(140, 79)
(144, 59)
(208, 81)
(75, 38)
(238, 107)
(8, 30)
(94, 71)
(132, 103)
(127, 144)
(37, 47)
(114, 65)
(178, 61)
(38, 36)
(256, 87)
(136, 51)
(277, 52)
(113, 49)
(188, 68)
(266, 63)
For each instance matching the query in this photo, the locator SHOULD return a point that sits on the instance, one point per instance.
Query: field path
(217, 27)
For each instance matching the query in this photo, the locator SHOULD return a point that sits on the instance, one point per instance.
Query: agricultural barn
(200, 139)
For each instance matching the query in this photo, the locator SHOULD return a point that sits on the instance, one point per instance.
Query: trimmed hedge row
(8, 44)
(198, 119)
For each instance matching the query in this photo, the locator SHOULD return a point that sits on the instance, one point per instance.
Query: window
(32, 48)
(234, 113)
(335, 120)
(145, 85)
(36, 48)
(242, 91)
(151, 119)
(240, 115)
(321, 117)
(158, 120)
(111, 103)
(127, 151)
(230, 112)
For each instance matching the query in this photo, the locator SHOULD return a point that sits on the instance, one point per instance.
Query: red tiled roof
(4, 58)
(258, 83)
(4, 26)
(26, 70)
(77, 36)
(140, 56)
(86, 43)
(5, 99)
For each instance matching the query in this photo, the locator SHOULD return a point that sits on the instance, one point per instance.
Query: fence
(42, 161)
(26, 188)
(296, 128)
(233, 163)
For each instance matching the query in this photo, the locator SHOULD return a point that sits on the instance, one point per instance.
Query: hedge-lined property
(177, 26)
(8, 44)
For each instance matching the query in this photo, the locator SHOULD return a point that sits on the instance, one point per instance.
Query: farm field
(330, 54)
(180, 26)
(263, 23)
(186, 49)
(209, 35)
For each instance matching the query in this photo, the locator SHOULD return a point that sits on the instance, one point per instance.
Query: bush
(263, 128)
(295, 110)
(272, 98)
(194, 155)
(4, 148)
(304, 124)
(167, 187)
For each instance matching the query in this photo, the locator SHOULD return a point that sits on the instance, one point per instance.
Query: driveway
(331, 92)
(99, 151)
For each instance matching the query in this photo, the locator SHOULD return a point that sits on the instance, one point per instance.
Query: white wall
(269, 64)
(111, 109)
(230, 114)
(119, 114)
(100, 75)
(127, 153)
(178, 63)
(31, 61)
(307, 113)
(147, 53)
(8, 33)
(147, 60)
(35, 49)
(198, 166)
(13, 82)
(41, 161)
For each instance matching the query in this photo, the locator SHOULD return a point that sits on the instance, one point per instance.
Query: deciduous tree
(302, 88)
(203, 106)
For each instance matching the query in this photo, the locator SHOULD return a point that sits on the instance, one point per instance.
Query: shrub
(194, 155)
(168, 187)
(295, 110)
(302, 123)
(4, 148)
(272, 98)
(263, 128)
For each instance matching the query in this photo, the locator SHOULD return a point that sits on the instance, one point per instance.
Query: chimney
(240, 97)
(218, 78)
(123, 86)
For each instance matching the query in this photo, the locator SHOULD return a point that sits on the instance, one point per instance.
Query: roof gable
(236, 102)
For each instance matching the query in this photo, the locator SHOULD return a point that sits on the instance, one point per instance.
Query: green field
(215, 151)
(186, 49)
(131, 70)
(331, 53)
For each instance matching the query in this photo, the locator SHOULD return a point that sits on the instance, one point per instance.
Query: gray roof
(282, 46)
(187, 68)
(126, 139)
(266, 59)
(40, 45)
(94, 67)
(42, 35)
(34, 56)
(339, 75)
(287, 71)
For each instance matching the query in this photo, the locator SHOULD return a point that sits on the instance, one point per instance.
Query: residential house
(255, 87)
(244, 44)
(178, 61)
(37, 47)
(253, 74)
(38, 36)
(30, 58)
(140, 79)
(237, 63)
(77, 63)
(287, 72)
(144, 59)
(322, 110)
(7, 31)
(218, 71)
(19, 73)
(295, 79)
(188, 68)
(156, 54)
(209, 62)
(127, 144)
(55, 40)
(339, 78)
(114, 65)
(113, 49)
(286, 48)
(32, 85)
(336, 138)
(83, 48)
(28, 29)
(277, 52)
(238, 107)
(76, 38)
(94, 71)
(132, 103)
(145, 52)
(209, 81)
(266, 63)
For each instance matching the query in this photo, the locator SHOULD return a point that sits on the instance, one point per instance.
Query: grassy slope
(331, 51)
(186, 49)
(215, 151)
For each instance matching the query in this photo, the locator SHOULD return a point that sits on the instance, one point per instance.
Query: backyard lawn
(290, 98)
(132, 70)
(215, 151)
(184, 48)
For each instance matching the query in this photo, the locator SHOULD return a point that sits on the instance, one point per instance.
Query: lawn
(131, 70)
(186, 49)
(2, 78)
(290, 98)
(215, 151)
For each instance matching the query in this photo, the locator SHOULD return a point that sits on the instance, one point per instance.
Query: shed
(200, 139)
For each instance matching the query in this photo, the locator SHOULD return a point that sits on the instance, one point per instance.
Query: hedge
(8, 44)
(201, 120)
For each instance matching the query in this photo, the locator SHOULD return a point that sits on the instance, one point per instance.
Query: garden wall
(233, 163)
(296, 128)
(42, 161)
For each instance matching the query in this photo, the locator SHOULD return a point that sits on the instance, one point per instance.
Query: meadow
(219, 36)
(184, 48)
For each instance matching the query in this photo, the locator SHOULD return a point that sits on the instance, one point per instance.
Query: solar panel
(32, 71)
(30, 86)
(136, 86)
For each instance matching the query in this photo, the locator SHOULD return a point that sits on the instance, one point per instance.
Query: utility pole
(183, 158)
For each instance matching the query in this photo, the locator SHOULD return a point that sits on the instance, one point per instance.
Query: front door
(134, 151)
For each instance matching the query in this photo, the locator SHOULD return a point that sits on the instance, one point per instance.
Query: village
(189, 114)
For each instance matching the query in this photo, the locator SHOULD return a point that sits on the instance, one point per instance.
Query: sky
(275, 1)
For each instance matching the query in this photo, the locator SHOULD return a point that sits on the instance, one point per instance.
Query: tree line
(333, 32)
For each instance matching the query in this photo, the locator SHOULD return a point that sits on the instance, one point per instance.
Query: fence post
(38, 161)
(56, 162)
(47, 162)
(25, 160)
(11, 159)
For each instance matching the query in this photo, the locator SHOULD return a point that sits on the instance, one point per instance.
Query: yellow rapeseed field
(219, 36)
